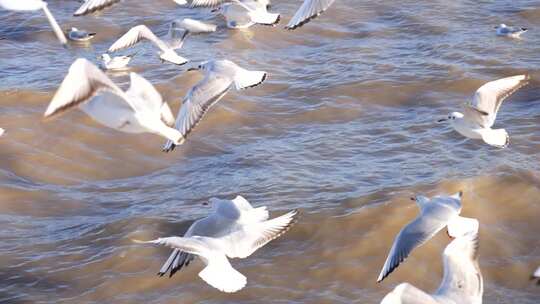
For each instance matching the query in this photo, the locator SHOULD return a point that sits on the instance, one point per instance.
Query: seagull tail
(245, 79)
(221, 275)
(498, 138)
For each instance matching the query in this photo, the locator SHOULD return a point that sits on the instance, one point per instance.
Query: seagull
(90, 6)
(192, 26)
(188, 26)
(34, 5)
(167, 49)
(78, 35)
(536, 276)
(116, 62)
(462, 280)
(219, 77)
(309, 10)
(480, 113)
(510, 31)
(240, 13)
(435, 214)
(234, 229)
(138, 110)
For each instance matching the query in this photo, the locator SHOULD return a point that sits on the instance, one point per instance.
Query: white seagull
(219, 77)
(536, 276)
(188, 26)
(34, 5)
(240, 13)
(480, 113)
(510, 31)
(234, 229)
(138, 110)
(78, 35)
(116, 62)
(309, 10)
(167, 48)
(462, 280)
(90, 6)
(435, 214)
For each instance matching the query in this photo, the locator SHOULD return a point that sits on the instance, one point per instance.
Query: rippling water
(344, 129)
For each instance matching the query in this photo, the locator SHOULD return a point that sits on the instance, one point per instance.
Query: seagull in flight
(166, 48)
(462, 280)
(140, 109)
(480, 113)
(239, 13)
(116, 62)
(435, 214)
(234, 229)
(219, 77)
(34, 5)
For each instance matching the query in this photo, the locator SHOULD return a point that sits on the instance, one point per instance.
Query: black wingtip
(460, 193)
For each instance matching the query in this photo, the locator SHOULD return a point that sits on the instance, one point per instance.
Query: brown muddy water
(343, 129)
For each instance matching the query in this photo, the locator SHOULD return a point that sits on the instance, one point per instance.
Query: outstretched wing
(309, 10)
(488, 99)
(90, 6)
(198, 101)
(243, 242)
(83, 81)
(462, 281)
(136, 34)
(415, 234)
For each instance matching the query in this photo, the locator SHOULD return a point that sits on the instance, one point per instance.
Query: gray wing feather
(309, 10)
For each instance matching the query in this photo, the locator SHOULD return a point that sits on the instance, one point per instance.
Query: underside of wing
(83, 81)
(309, 10)
(146, 97)
(134, 35)
(488, 98)
(415, 234)
(462, 280)
(207, 3)
(199, 100)
(243, 242)
(90, 6)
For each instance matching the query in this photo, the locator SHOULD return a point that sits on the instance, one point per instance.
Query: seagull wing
(246, 240)
(309, 10)
(17, 5)
(83, 81)
(90, 6)
(406, 293)
(198, 101)
(56, 28)
(488, 99)
(431, 220)
(207, 3)
(462, 281)
(136, 34)
(218, 273)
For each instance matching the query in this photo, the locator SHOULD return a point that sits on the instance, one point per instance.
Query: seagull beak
(442, 120)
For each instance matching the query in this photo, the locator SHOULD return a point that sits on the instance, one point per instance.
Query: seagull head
(502, 25)
(203, 66)
(451, 117)
(105, 57)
